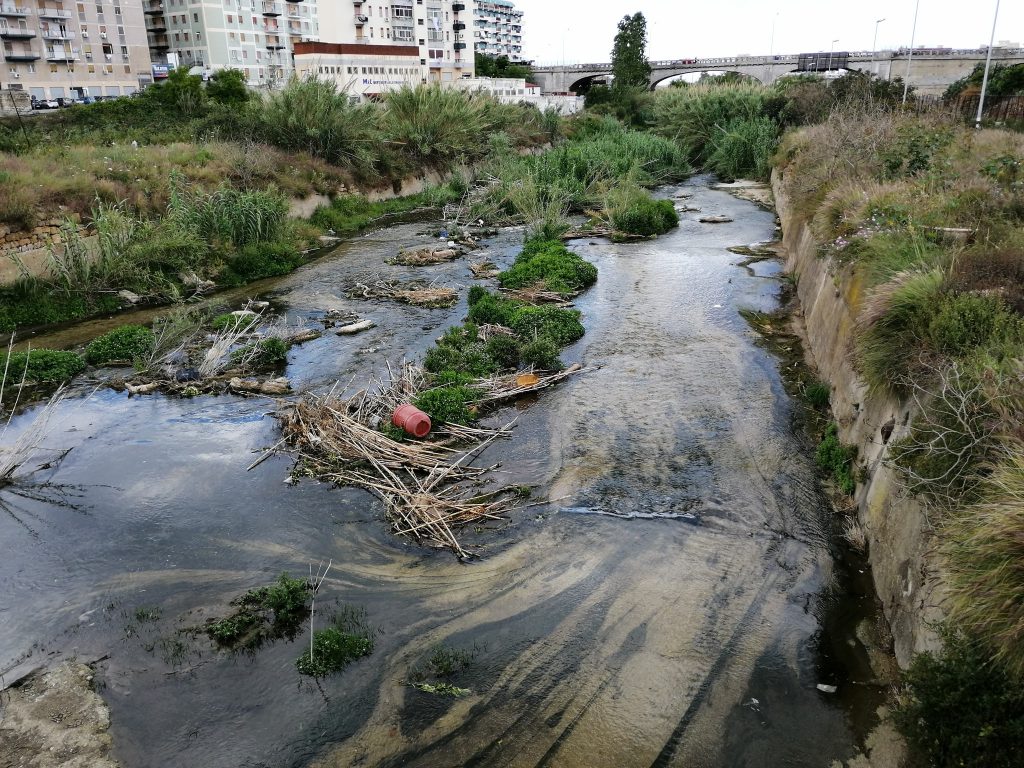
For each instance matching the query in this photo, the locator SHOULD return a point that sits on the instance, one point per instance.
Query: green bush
(561, 326)
(550, 262)
(460, 349)
(837, 459)
(22, 309)
(258, 261)
(542, 354)
(967, 321)
(447, 404)
(121, 344)
(43, 365)
(263, 354)
(959, 708)
(505, 351)
(634, 212)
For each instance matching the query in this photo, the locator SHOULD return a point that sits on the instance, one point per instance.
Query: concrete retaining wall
(899, 533)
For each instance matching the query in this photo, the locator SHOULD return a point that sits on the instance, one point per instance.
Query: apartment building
(58, 49)
(498, 29)
(361, 70)
(435, 28)
(257, 37)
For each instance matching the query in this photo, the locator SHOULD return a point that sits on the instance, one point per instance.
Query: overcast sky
(685, 28)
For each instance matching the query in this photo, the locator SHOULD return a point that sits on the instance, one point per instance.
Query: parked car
(64, 101)
(45, 104)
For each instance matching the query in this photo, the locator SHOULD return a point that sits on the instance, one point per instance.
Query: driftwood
(501, 388)
(418, 294)
(714, 219)
(483, 270)
(278, 386)
(423, 257)
(348, 330)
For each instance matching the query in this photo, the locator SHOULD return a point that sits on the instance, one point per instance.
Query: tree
(629, 59)
(227, 86)
(500, 66)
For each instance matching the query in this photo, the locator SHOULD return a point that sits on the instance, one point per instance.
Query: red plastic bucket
(411, 419)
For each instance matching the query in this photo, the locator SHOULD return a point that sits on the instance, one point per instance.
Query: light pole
(988, 63)
(874, 46)
(910, 55)
(830, 52)
(771, 50)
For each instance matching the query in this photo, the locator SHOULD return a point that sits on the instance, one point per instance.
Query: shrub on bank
(837, 459)
(633, 211)
(959, 709)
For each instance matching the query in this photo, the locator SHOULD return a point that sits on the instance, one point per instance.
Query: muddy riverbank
(671, 606)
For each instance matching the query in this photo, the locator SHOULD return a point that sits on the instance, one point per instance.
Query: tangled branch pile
(418, 294)
(429, 488)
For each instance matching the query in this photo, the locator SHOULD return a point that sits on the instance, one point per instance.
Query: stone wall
(29, 250)
(899, 533)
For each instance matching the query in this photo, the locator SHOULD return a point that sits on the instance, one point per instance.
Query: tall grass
(744, 148)
(436, 125)
(312, 116)
(984, 548)
(229, 216)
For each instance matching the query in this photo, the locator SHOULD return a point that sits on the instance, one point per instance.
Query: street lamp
(988, 63)
(771, 50)
(830, 51)
(910, 55)
(874, 46)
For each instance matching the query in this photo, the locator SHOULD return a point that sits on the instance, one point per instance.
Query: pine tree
(629, 60)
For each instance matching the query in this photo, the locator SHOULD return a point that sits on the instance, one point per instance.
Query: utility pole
(771, 51)
(988, 63)
(910, 55)
(830, 52)
(874, 47)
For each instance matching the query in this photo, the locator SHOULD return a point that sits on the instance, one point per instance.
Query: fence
(1004, 109)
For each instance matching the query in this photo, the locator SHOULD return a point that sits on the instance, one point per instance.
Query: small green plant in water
(345, 639)
(264, 614)
(124, 344)
(42, 365)
(817, 394)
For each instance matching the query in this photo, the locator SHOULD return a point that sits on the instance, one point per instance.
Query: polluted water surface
(658, 602)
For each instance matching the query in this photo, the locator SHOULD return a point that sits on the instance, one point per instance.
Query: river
(666, 608)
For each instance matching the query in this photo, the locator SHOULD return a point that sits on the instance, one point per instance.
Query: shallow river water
(665, 609)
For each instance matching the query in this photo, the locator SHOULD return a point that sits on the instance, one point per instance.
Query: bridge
(931, 70)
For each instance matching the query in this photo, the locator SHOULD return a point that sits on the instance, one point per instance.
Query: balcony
(16, 33)
(22, 55)
(157, 25)
(62, 54)
(153, 8)
(272, 9)
(458, 46)
(458, 26)
(456, 7)
(54, 13)
(57, 34)
(275, 43)
(12, 10)
(360, 20)
(160, 43)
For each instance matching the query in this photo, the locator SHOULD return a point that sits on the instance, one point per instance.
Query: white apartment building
(364, 71)
(498, 29)
(435, 28)
(257, 37)
(510, 90)
(73, 49)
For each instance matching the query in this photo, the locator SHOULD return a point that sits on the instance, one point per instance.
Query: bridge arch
(660, 76)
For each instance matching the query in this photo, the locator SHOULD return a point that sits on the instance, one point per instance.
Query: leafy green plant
(42, 365)
(265, 353)
(837, 459)
(541, 354)
(447, 404)
(123, 344)
(258, 261)
(551, 264)
(264, 614)
(345, 639)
